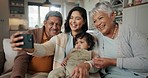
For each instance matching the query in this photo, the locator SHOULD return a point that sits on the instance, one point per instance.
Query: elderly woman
(123, 51)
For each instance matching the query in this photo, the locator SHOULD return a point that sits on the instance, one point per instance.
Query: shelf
(136, 5)
(17, 16)
(17, 10)
(119, 16)
(118, 5)
(16, 7)
(116, 2)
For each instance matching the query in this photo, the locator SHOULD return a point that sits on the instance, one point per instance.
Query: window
(36, 14)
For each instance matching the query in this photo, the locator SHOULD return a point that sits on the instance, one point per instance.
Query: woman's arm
(135, 49)
(103, 62)
(45, 49)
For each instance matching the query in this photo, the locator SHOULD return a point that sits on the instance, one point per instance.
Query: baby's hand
(64, 63)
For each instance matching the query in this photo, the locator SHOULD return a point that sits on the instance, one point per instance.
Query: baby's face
(81, 44)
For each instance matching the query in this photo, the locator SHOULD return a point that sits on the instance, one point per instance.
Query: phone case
(28, 41)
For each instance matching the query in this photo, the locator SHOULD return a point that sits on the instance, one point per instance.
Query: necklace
(115, 31)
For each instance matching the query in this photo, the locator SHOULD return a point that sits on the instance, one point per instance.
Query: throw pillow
(9, 55)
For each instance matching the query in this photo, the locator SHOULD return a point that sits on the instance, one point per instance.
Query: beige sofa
(9, 57)
(8, 64)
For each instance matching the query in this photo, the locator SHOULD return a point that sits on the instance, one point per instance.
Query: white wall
(137, 17)
(4, 20)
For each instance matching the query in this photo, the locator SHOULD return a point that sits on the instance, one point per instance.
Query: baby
(84, 42)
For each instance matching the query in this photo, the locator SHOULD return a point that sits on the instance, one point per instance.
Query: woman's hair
(88, 37)
(103, 6)
(83, 13)
(54, 13)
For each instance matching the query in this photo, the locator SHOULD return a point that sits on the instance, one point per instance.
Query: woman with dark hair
(61, 44)
(83, 15)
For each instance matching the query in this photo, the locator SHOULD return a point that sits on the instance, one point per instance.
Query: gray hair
(103, 6)
(54, 13)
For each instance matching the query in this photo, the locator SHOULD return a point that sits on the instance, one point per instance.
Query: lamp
(47, 3)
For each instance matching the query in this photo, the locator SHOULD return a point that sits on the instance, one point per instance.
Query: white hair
(103, 6)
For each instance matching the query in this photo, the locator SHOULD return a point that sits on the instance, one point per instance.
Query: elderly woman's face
(103, 22)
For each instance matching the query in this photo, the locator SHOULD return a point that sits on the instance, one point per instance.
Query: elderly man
(38, 67)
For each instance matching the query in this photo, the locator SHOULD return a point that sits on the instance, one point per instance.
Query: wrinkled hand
(81, 71)
(103, 62)
(14, 38)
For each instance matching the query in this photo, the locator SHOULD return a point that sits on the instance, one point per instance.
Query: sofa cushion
(9, 55)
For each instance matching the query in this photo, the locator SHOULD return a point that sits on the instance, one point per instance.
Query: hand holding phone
(28, 41)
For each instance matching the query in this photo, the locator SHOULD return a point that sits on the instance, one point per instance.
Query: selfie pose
(61, 44)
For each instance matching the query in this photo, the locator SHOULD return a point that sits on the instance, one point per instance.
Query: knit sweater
(133, 50)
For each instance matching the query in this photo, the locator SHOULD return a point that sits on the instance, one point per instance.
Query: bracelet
(89, 62)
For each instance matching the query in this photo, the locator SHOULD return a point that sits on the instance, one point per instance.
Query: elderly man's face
(52, 25)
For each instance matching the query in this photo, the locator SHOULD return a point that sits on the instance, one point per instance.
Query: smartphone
(28, 41)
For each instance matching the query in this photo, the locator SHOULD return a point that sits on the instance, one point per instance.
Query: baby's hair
(89, 39)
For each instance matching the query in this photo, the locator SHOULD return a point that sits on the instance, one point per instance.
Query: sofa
(7, 60)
